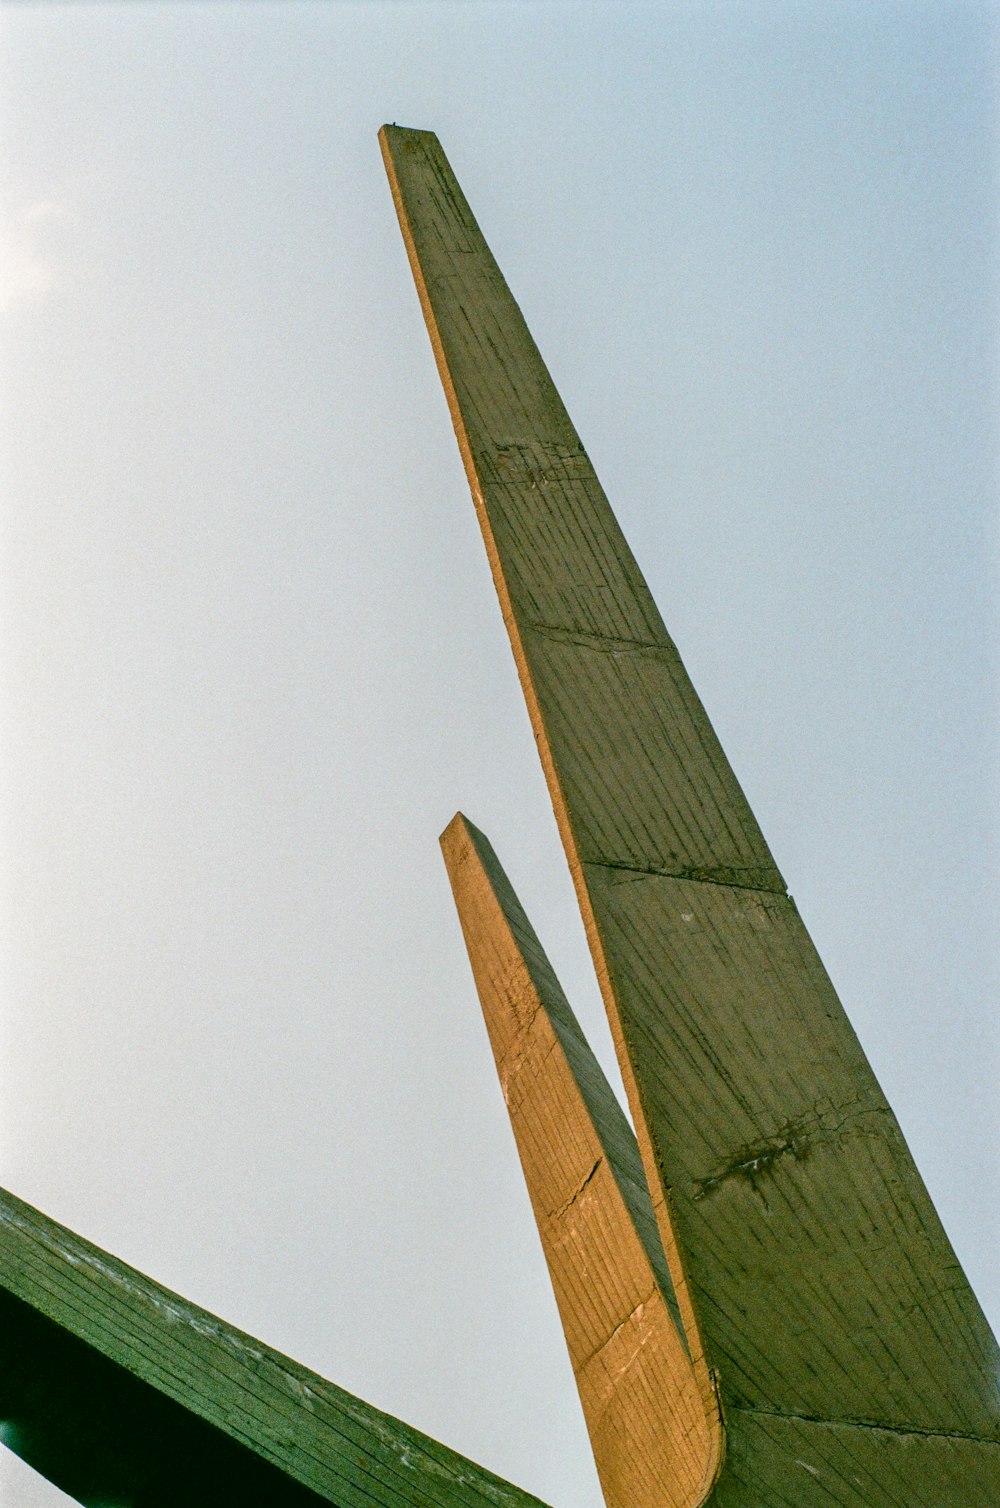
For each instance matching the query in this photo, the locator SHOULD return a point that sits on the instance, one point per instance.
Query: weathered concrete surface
(120, 1392)
(589, 1194)
(809, 1264)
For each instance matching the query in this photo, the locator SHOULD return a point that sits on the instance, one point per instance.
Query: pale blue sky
(252, 661)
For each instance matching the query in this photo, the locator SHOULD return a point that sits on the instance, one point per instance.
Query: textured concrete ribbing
(810, 1267)
(590, 1198)
(120, 1391)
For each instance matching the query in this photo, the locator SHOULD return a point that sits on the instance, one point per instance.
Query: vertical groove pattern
(203, 1402)
(810, 1266)
(654, 1445)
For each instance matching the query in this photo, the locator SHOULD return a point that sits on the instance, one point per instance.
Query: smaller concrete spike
(652, 1414)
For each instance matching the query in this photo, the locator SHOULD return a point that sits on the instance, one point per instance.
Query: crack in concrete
(632, 1314)
(867, 1424)
(796, 1139)
(599, 643)
(568, 1204)
(762, 878)
(752, 1165)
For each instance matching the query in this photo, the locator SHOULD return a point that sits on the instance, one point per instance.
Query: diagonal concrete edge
(513, 429)
(810, 1265)
(120, 1391)
(655, 1443)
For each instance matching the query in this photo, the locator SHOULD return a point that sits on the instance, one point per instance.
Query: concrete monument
(761, 1307)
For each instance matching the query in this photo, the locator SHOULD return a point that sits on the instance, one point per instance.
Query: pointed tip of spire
(455, 829)
(461, 834)
(404, 133)
(462, 838)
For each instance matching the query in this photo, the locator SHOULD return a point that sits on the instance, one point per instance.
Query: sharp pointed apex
(461, 831)
(458, 832)
(458, 823)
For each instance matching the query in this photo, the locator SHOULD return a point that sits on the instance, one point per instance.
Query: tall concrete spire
(761, 1307)
(815, 1285)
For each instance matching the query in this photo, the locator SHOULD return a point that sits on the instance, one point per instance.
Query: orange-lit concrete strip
(654, 1445)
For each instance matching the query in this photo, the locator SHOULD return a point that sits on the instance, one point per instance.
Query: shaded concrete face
(123, 1393)
(108, 1441)
(811, 1271)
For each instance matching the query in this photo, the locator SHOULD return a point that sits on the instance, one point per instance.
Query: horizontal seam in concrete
(600, 643)
(693, 877)
(865, 1424)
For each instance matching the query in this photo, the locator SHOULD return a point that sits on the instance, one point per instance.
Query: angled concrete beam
(655, 1431)
(126, 1396)
(810, 1266)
